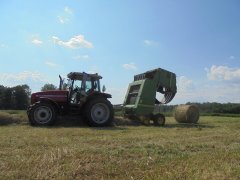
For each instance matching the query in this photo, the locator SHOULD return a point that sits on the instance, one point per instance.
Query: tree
(15, 97)
(48, 87)
(27, 89)
(2, 90)
(7, 98)
(21, 96)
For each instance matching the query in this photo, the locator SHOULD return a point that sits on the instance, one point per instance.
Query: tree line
(18, 97)
(14, 97)
(226, 108)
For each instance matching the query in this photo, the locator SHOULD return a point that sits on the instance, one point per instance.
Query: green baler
(141, 97)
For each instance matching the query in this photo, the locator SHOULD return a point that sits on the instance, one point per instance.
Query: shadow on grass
(6, 122)
(119, 123)
(185, 125)
(78, 122)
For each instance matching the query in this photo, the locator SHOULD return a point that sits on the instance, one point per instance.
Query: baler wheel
(158, 120)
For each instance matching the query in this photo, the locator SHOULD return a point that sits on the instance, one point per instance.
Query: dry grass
(208, 150)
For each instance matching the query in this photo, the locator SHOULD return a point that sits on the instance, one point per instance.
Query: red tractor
(81, 96)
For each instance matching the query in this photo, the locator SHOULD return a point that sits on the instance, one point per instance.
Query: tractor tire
(159, 120)
(41, 114)
(99, 112)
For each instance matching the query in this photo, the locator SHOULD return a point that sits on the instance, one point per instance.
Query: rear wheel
(99, 112)
(42, 114)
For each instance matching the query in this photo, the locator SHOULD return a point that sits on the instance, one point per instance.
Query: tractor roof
(81, 76)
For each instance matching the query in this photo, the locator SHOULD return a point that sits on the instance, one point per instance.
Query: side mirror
(104, 88)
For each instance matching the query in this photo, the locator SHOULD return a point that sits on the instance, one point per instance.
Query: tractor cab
(82, 85)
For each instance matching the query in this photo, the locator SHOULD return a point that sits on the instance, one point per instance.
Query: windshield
(80, 89)
(65, 85)
(79, 84)
(89, 86)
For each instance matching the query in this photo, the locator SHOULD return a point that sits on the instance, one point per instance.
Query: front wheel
(42, 114)
(99, 112)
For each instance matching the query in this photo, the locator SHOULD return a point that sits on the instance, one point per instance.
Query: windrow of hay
(121, 121)
(7, 118)
(186, 114)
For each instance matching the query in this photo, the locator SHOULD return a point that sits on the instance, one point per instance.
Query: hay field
(209, 150)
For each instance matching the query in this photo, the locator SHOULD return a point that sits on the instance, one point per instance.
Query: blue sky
(199, 40)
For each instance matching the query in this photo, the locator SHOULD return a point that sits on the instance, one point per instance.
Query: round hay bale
(186, 114)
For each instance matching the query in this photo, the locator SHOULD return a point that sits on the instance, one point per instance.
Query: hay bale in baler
(186, 114)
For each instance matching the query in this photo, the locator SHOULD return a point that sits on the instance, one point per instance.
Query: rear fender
(99, 95)
(96, 95)
(105, 95)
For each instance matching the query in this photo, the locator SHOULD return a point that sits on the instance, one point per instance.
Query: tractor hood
(56, 96)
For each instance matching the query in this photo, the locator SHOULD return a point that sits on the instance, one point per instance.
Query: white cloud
(22, 76)
(81, 57)
(223, 73)
(184, 89)
(3, 45)
(118, 94)
(150, 43)
(68, 10)
(63, 19)
(35, 39)
(184, 84)
(231, 57)
(37, 42)
(33, 78)
(66, 16)
(74, 43)
(129, 66)
(93, 70)
(208, 91)
(51, 64)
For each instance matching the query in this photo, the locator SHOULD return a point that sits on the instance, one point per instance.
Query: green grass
(209, 150)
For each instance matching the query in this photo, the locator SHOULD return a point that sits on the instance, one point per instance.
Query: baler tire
(41, 114)
(159, 120)
(99, 112)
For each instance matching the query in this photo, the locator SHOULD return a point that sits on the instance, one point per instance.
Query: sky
(198, 40)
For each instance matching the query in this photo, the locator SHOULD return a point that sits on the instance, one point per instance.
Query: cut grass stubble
(207, 150)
